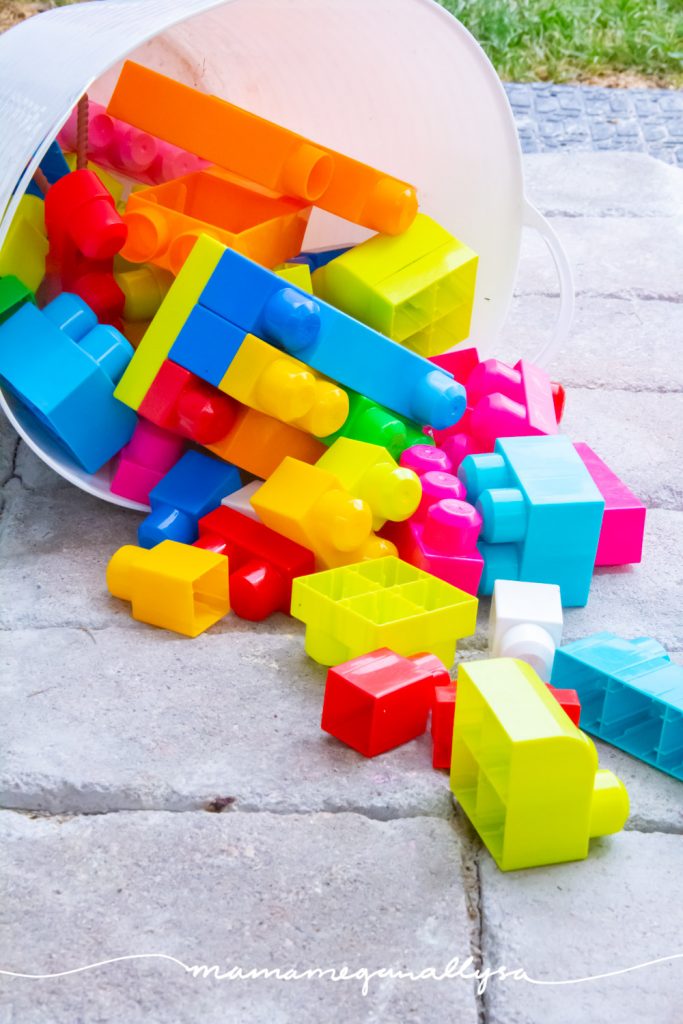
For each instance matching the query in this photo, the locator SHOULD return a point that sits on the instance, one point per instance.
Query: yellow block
(177, 305)
(369, 472)
(25, 247)
(356, 609)
(526, 777)
(144, 288)
(173, 586)
(297, 274)
(278, 384)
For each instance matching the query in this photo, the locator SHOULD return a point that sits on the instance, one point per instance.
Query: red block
(262, 562)
(380, 700)
(179, 401)
(569, 701)
(443, 716)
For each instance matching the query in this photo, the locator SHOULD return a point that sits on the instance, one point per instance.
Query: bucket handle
(533, 218)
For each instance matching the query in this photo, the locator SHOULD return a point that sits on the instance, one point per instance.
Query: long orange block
(261, 151)
(258, 443)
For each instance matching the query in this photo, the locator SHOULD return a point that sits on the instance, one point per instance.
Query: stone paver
(255, 891)
(553, 117)
(102, 714)
(616, 910)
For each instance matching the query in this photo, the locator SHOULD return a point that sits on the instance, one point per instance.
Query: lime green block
(24, 250)
(370, 422)
(523, 773)
(180, 300)
(297, 274)
(13, 294)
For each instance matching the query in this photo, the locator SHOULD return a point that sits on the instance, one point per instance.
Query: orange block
(258, 443)
(165, 221)
(261, 151)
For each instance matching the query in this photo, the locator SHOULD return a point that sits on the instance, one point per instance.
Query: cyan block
(53, 165)
(206, 345)
(256, 300)
(192, 488)
(631, 696)
(541, 514)
(63, 366)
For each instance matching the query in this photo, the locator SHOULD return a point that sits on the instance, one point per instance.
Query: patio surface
(119, 740)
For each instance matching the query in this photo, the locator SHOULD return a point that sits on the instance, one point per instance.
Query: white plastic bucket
(399, 84)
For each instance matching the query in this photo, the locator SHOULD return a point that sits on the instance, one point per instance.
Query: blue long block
(257, 300)
(63, 366)
(53, 165)
(206, 345)
(541, 514)
(631, 696)
(194, 486)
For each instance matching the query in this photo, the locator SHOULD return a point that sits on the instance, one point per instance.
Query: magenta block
(147, 457)
(623, 522)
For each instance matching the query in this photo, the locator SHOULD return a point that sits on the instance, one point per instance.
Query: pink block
(127, 150)
(460, 362)
(147, 457)
(623, 522)
(423, 458)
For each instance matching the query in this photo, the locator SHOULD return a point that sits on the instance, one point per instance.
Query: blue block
(63, 366)
(206, 345)
(541, 514)
(331, 342)
(194, 486)
(319, 258)
(53, 165)
(631, 696)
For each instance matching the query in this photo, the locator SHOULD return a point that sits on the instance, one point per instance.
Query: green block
(13, 294)
(370, 422)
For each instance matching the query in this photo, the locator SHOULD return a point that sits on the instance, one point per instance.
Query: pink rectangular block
(623, 522)
(147, 457)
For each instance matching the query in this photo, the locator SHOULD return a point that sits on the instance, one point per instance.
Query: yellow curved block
(173, 586)
(25, 248)
(144, 289)
(369, 472)
(271, 381)
(526, 777)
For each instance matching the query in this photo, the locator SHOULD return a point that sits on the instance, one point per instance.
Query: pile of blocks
(311, 437)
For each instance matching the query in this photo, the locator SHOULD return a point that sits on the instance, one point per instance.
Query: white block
(526, 623)
(241, 500)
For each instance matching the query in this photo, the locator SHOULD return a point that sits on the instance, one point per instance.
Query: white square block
(526, 622)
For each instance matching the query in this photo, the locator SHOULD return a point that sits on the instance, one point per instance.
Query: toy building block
(206, 344)
(13, 294)
(182, 403)
(374, 424)
(541, 514)
(53, 165)
(127, 150)
(261, 151)
(258, 443)
(64, 366)
(240, 501)
(623, 524)
(526, 622)
(443, 713)
(383, 603)
(85, 231)
(24, 251)
(441, 537)
(309, 506)
(145, 460)
(180, 300)
(316, 258)
(143, 290)
(380, 700)
(262, 563)
(257, 301)
(114, 186)
(192, 487)
(165, 221)
(297, 274)
(172, 586)
(631, 696)
(525, 776)
(368, 471)
(261, 376)
(404, 286)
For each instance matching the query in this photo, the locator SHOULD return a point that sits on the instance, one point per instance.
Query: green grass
(559, 40)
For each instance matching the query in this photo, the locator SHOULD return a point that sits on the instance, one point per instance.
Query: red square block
(380, 700)
(443, 716)
(569, 702)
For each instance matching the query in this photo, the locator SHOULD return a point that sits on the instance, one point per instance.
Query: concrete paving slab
(255, 891)
(608, 913)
